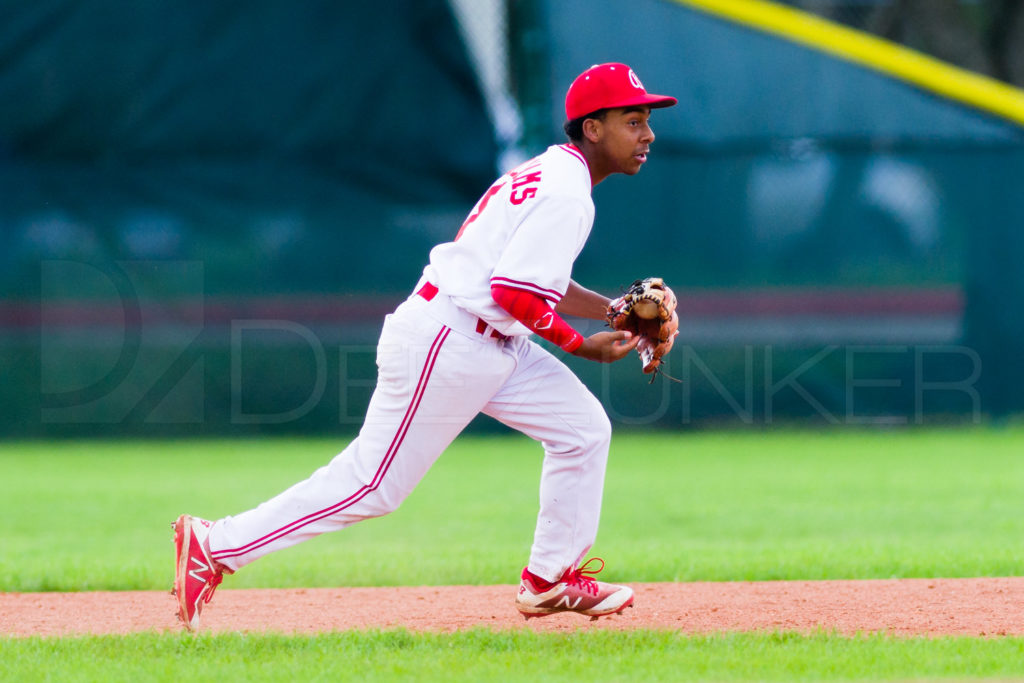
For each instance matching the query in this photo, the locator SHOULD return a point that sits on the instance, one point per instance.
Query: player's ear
(592, 129)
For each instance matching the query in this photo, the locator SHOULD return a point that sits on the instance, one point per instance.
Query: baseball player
(460, 345)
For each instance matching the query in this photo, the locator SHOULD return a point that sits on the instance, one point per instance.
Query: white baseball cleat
(196, 575)
(576, 591)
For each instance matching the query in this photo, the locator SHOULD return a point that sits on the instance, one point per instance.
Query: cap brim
(648, 100)
(645, 100)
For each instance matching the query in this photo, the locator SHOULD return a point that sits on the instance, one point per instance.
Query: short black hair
(574, 129)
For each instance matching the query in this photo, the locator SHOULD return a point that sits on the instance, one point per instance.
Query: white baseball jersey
(525, 233)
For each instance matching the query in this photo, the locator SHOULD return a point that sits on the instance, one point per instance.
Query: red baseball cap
(609, 86)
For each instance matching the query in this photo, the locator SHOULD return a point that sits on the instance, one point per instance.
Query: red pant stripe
(389, 457)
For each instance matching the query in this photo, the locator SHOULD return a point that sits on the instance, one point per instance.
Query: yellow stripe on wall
(861, 48)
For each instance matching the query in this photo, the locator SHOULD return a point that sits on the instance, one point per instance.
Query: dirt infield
(975, 607)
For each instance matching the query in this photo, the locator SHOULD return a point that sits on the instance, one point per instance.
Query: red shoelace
(213, 582)
(576, 577)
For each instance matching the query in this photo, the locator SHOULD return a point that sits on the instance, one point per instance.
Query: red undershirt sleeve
(534, 312)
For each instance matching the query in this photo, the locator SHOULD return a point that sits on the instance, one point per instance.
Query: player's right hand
(607, 347)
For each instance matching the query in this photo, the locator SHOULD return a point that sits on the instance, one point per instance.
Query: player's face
(625, 140)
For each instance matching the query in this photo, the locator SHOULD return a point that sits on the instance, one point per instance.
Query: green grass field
(714, 506)
(480, 655)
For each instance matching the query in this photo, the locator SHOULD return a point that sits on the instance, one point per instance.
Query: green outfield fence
(206, 212)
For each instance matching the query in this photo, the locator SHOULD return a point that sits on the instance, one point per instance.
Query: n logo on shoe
(564, 600)
(194, 573)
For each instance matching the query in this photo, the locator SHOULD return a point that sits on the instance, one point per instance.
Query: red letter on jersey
(519, 196)
(522, 196)
(481, 205)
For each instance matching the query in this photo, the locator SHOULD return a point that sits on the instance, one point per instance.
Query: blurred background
(207, 209)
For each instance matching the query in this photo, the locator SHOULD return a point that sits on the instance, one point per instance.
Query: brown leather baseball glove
(647, 309)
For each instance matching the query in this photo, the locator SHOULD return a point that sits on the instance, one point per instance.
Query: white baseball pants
(435, 374)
